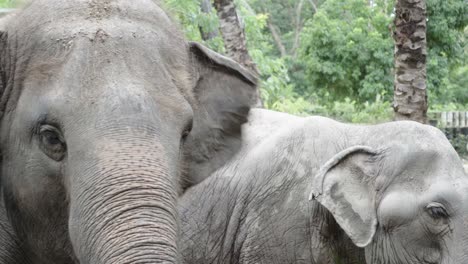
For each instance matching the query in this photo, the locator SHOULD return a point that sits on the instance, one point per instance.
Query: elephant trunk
(459, 250)
(122, 210)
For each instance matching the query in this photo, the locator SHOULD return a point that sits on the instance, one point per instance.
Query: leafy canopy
(343, 63)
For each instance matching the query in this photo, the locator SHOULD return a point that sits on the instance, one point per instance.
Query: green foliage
(457, 85)
(189, 15)
(446, 39)
(348, 52)
(10, 3)
(446, 22)
(276, 88)
(4, 3)
(344, 62)
(348, 110)
(284, 16)
(277, 91)
(448, 107)
(460, 143)
(345, 56)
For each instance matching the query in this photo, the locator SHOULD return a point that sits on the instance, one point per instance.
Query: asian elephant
(106, 114)
(313, 190)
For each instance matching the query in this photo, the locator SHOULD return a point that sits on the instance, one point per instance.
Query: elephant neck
(339, 248)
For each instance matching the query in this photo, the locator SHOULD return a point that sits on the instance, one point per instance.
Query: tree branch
(314, 6)
(277, 38)
(298, 28)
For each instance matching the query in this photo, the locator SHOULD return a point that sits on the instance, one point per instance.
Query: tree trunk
(205, 6)
(410, 98)
(233, 33)
(234, 36)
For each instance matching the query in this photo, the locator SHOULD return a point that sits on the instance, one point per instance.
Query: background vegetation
(335, 57)
(8, 3)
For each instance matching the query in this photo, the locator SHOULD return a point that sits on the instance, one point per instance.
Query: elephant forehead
(418, 165)
(47, 25)
(104, 63)
(146, 46)
(450, 192)
(60, 12)
(98, 44)
(117, 29)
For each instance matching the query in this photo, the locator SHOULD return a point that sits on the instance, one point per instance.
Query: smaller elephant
(313, 190)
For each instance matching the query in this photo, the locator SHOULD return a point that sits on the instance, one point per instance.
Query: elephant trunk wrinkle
(124, 211)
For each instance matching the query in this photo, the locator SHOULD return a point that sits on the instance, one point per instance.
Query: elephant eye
(437, 211)
(52, 143)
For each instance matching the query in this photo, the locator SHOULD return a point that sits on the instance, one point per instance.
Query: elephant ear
(3, 35)
(344, 185)
(4, 57)
(225, 92)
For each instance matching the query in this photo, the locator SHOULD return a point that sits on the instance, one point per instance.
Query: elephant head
(107, 113)
(406, 203)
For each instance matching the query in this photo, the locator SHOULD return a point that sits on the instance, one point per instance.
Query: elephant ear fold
(3, 56)
(344, 185)
(225, 92)
(2, 59)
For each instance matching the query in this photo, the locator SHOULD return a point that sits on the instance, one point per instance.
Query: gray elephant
(313, 190)
(107, 114)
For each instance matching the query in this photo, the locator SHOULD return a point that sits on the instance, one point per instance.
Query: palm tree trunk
(410, 98)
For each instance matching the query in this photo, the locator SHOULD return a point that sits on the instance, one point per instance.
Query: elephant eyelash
(51, 131)
(44, 120)
(437, 211)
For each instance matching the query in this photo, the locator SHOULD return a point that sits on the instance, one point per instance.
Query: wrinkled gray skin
(393, 193)
(107, 114)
